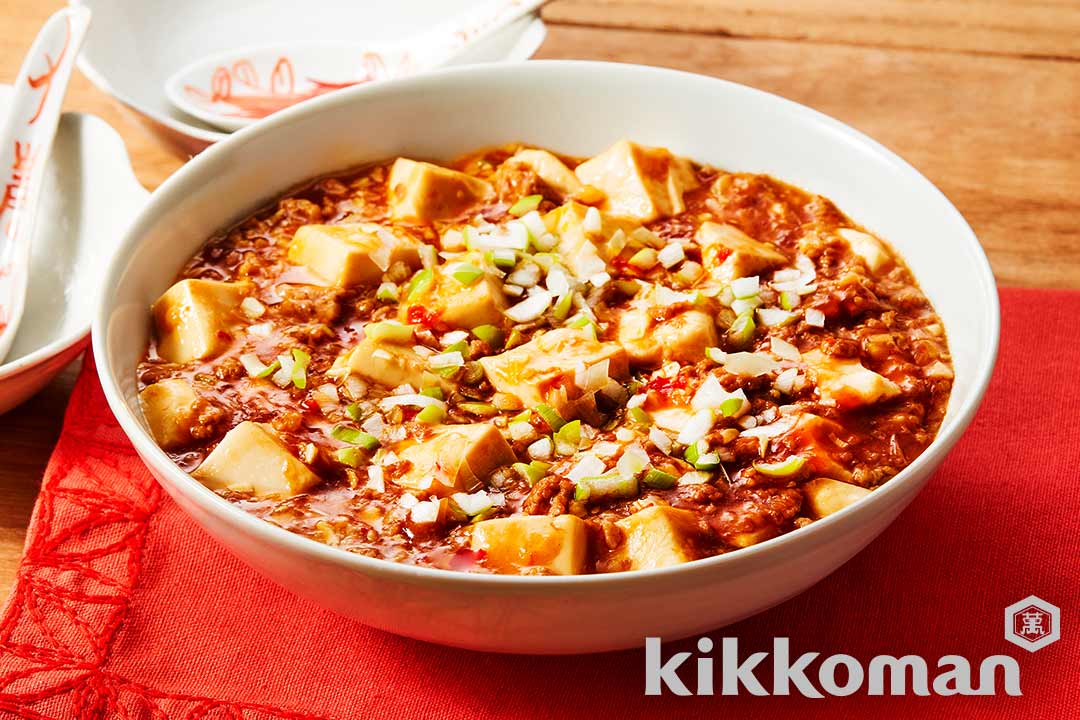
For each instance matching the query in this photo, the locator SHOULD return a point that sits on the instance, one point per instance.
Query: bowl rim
(908, 480)
(203, 132)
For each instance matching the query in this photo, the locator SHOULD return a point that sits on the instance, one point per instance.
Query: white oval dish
(132, 48)
(576, 108)
(89, 197)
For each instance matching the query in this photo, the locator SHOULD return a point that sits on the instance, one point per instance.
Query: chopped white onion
(408, 500)
(784, 350)
(600, 279)
(697, 427)
(514, 290)
(637, 400)
(374, 425)
(779, 427)
(671, 255)
(534, 224)
(745, 287)
(252, 308)
(774, 317)
(815, 317)
(660, 439)
(530, 308)
(605, 448)
(591, 378)
(375, 479)
(749, 364)
(527, 275)
(633, 460)
(709, 395)
(453, 240)
(252, 364)
(541, 449)
(283, 377)
(624, 434)
(694, 477)
(521, 431)
(749, 422)
(454, 336)
(557, 281)
(588, 465)
(473, 503)
(446, 360)
(262, 330)
(423, 513)
(785, 381)
(592, 223)
(745, 305)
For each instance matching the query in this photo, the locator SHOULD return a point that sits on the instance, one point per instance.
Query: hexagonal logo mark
(1032, 623)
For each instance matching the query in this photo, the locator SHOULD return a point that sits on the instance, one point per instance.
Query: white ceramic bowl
(133, 46)
(90, 195)
(577, 108)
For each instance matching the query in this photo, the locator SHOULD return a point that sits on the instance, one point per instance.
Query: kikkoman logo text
(837, 675)
(1031, 623)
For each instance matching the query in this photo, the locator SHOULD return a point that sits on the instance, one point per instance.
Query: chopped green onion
(782, 469)
(479, 408)
(387, 292)
(741, 331)
(389, 330)
(351, 435)
(562, 306)
(644, 259)
(701, 460)
(421, 282)
(731, 406)
(658, 479)
(568, 438)
(433, 392)
(523, 416)
(516, 338)
(789, 300)
(270, 369)
(534, 472)
(353, 411)
(585, 324)
(525, 205)
(715, 354)
(300, 365)
(467, 274)
(489, 334)
(504, 258)
(605, 487)
(551, 417)
(431, 415)
(639, 416)
(349, 456)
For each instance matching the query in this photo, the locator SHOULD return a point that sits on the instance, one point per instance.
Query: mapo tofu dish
(527, 363)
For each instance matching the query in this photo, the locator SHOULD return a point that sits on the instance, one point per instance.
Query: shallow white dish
(89, 197)
(583, 107)
(134, 46)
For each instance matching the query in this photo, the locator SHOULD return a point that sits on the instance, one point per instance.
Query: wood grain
(1050, 28)
(969, 92)
(997, 135)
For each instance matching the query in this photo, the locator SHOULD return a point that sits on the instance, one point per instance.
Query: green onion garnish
(551, 417)
(421, 282)
(789, 300)
(639, 416)
(731, 406)
(353, 436)
(479, 408)
(387, 292)
(605, 487)
(431, 415)
(658, 479)
(568, 438)
(460, 346)
(782, 469)
(562, 307)
(389, 330)
(270, 369)
(467, 274)
(349, 456)
(353, 411)
(741, 331)
(300, 365)
(525, 205)
(534, 472)
(433, 392)
(489, 334)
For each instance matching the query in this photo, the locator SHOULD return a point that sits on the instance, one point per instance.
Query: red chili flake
(665, 386)
(408, 413)
(420, 315)
(311, 405)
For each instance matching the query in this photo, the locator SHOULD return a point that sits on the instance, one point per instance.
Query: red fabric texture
(123, 607)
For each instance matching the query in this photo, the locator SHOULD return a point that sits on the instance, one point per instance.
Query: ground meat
(550, 496)
(209, 421)
(306, 303)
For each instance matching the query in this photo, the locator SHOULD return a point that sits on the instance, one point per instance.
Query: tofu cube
(543, 370)
(824, 496)
(550, 169)
(169, 408)
(656, 537)
(385, 363)
(461, 306)
(847, 382)
(423, 192)
(194, 318)
(352, 254)
(510, 545)
(251, 458)
(869, 248)
(639, 182)
(454, 458)
(815, 438)
(728, 253)
(752, 537)
(682, 338)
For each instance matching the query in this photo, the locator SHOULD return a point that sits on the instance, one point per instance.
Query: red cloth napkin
(124, 608)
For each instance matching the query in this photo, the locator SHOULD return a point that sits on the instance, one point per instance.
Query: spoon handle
(443, 42)
(25, 142)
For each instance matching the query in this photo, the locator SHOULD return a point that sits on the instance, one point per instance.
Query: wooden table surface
(982, 97)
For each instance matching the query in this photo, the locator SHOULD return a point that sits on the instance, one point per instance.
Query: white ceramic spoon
(25, 141)
(234, 89)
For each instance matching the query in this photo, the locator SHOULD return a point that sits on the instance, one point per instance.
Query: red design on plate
(282, 91)
(45, 79)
